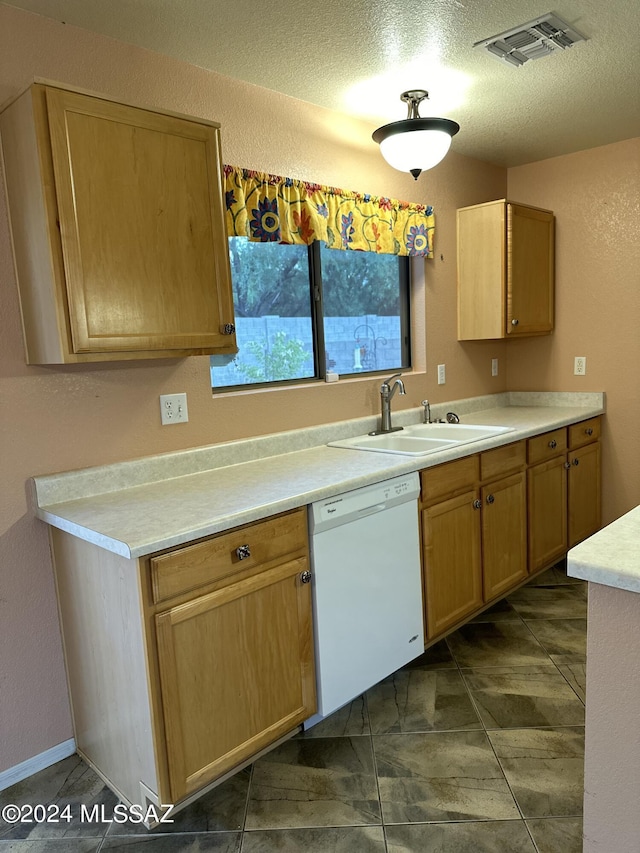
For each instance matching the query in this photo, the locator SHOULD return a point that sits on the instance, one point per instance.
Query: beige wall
(61, 418)
(596, 199)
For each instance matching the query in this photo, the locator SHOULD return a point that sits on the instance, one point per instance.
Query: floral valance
(267, 208)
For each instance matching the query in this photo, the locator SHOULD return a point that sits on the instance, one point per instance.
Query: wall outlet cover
(580, 365)
(173, 409)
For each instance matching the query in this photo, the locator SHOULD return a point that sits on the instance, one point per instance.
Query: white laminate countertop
(141, 506)
(611, 556)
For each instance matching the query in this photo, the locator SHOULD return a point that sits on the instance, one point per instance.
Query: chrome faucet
(426, 415)
(387, 390)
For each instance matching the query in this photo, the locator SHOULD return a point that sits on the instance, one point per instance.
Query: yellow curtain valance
(267, 208)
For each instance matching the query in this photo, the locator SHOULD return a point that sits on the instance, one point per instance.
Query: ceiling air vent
(541, 37)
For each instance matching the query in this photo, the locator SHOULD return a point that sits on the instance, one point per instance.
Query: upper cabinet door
(505, 271)
(530, 270)
(141, 223)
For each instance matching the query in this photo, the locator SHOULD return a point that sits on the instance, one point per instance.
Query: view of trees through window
(302, 311)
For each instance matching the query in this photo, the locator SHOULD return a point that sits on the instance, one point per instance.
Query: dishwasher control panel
(366, 500)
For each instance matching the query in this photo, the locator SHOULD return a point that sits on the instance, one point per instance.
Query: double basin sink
(421, 439)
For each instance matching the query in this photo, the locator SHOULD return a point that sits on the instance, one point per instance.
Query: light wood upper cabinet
(505, 271)
(118, 229)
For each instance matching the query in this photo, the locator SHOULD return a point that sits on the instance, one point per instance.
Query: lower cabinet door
(452, 561)
(236, 672)
(547, 493)
(504, 535)
(584, 492)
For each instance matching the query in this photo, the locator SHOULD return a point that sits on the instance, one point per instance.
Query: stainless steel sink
(421, 439)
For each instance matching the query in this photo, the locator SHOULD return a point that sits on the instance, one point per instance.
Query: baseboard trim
(38, 762)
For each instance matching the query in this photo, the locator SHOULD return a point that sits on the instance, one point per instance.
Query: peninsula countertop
(611, 556)
(138, 507)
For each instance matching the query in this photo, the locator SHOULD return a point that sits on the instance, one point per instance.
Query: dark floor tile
(514, 697)
(544, 768)
(436, 656)
(440, 776)
(421, 701)
(350, 721)
(557, 834)
(210, 842)
(550, 602)
(501, 611)
(348, 839)
(222, 809)
(70, 786)
(496, 644)
(576, 674)
(506, 836)
(564, 640)
(314, 782)
(556, 576)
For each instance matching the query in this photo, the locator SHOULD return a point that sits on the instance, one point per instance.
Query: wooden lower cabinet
(504, 535)
(185, 664)
(474, 541)
(547, 488)
(236, 672)
(452, 561)
(563, 491)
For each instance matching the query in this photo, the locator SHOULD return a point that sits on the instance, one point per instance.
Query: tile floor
(475, 747)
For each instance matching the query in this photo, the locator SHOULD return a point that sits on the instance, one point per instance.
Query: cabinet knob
(553, 444)
(228, 328)
(243, 552)
(567, 465)
(515, 322)
(305, 577)
(477, 504)
(575, 461)
(589, 431)
(490, 499)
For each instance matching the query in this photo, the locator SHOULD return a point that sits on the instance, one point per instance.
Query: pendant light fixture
(415, 144)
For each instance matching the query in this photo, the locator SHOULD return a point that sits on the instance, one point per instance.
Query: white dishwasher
(367, 589)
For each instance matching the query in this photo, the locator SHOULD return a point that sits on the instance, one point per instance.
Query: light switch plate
(441, 374)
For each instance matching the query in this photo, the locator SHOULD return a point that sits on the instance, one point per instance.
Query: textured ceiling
(358, 56)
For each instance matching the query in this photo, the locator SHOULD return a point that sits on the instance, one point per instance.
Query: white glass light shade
(416, 149)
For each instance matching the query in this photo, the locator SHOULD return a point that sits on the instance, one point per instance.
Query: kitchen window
(305, 311)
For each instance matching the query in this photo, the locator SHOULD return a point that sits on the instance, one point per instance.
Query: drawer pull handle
(305, 577)
(515, 322)
(575, 461)
(228, 328)
(477, 504)
(490, 499)
(589, 431)
(567, 465)
(553, 444)
(243, 552)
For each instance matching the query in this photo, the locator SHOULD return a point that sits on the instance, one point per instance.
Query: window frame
(316, 297)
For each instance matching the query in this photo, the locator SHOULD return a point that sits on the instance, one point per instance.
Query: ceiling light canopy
(415, 144)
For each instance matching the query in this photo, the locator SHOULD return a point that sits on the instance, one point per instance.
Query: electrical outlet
(580, 365)
(173, 409)
(441, 374)
(494, 366)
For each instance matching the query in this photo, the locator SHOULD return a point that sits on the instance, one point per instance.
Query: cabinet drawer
(219, 557)
(546, 446)
(503, 460)
(449, 479)
(584, 433)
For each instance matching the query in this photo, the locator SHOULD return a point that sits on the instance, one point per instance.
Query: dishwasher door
(367, 588)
